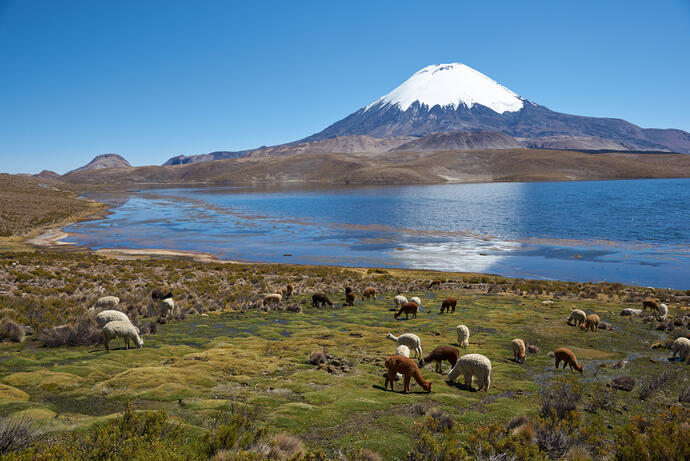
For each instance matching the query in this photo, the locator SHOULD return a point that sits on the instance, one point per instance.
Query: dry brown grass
(28, 204)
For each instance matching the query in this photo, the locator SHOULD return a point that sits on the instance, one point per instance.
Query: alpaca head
(420, 364)
(427, 386)
(390, 336)
(139, 341)
(579, 368)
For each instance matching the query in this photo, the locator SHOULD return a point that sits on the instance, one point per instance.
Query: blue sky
(154, 79)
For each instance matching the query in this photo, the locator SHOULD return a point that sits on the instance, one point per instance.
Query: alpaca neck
(418, 378)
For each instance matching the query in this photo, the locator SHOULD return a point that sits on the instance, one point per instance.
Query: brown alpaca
(448, 304)
(568, 358)
(289, 290)
(435, 283)
(518, 350)
(438, 355)
(369, 293)
(651, 303)
(350, 298)
(405, 366)
(407, 309)
(348, 290)
(591, 322)
(319, 300)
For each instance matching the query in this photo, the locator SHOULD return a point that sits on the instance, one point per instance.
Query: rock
(624, 383)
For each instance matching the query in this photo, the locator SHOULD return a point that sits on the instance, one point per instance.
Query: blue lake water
(633, 232)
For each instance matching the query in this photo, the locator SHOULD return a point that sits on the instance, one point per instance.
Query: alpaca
(410, 340)
(681, 346)
(319, 300)
(438, 355)
(448, 304)
(369, 293)
(518, 350)
(289, 290)
(415, 299)
(273, 298)
(350, 299)
(473, 366)
(434, 284)
(591, 322)
(398, 364)
(463, 336)
(407, 309)
(578, 316)
(568, 358)
(663, 312)
(651, 303)
(399, 300)
(348, 290)
(120, 329)
(630, 312)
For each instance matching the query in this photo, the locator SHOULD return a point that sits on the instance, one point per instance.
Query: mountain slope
(460, 141)
(453, 97)
(104, 161)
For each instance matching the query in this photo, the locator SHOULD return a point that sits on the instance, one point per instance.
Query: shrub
(318, 357)
(442, 420)
(684, 395)
(11, 331)
(603, 398)
(666, 436)
(560, 399)
(15, 434)
(85, 333)
(361, 454)
(655, 383)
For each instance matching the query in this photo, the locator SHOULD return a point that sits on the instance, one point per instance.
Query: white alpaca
(399, 300)
(630, 312)
(518, 350)
(473, 366)
(410, 340)
(167, 306)
(578, 316)
(106, 302)
(120, 329)
(415, 299)
(463, 336)
(403, 350)
(663, 312)
(273, 298)
(108, 316)
(681, 346)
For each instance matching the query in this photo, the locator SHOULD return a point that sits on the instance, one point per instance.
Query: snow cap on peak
(451, 85)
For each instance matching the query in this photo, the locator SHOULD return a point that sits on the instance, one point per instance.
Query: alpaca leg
(438, 367)
(107, 345)
(558, 362)
(487, 383)
(468, 380)
(407, 383)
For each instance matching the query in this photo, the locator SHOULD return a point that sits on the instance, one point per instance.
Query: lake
(633, 232)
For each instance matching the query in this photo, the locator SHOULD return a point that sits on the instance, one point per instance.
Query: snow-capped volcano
(449, 86)
(453, 97)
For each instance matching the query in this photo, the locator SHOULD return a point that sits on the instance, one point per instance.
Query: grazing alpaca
(350, 298)
(651, 303)
(415, 299)
(463, 336)
(473, 366)
(591, 322)
(289, 290)
(435, 283)
(407, 309)
(663, 312)
(273, 298)
(578, 316)
(438, 355)
(568, 358)
(369, 293)
(320, 300)
(681, 346)
(448, 304)
(399, 300)
(518, 350)
(410, 340)
(398, 364)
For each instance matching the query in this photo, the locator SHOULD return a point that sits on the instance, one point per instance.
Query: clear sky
(153, 79)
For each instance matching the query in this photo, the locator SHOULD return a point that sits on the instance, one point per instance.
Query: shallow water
(634, 232)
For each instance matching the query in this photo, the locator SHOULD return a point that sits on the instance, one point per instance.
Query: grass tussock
(11, 331)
